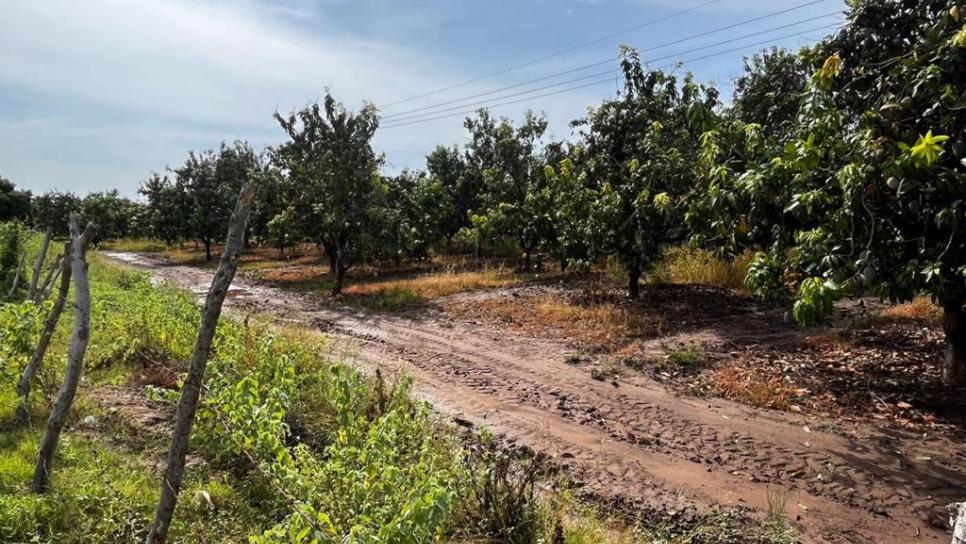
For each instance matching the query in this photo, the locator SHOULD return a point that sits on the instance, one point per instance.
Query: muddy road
(635, 441)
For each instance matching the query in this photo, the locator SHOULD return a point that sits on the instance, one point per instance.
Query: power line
(553, 55)
(610, 59)
(419, 118)
(416, 120)
(562, 52)
(402, 116)
(457, 114)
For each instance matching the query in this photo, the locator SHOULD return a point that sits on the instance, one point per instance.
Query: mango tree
(569, 199)
(640, 147)
(448, 168)
(210, 182)
(875, 176)
(513, 179)
(14, 203)
(338, 190)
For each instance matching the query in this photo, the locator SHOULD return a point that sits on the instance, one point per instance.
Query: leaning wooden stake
(43, 292)
(16, 277)
(75, 355)
(39, 263)
(190, 393)
(23, 388)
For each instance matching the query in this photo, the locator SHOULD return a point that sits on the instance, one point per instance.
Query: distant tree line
(842, 165)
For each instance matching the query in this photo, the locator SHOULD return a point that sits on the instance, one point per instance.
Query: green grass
(102, 493)
(137, 245)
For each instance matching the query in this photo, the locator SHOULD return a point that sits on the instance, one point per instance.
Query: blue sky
(100, 93)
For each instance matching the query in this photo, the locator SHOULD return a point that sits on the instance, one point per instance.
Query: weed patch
(691, 265)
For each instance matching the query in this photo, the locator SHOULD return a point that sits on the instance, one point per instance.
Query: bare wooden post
(190, 393)
(957, 520)
(16, 277)
(75, 355)
(43, 292)
(39, 263)
(23, 388)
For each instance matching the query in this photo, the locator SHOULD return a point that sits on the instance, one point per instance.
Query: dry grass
(602, 323)
(599, 324)
(438, 285)
(919, 310)
(827, 338)
(755, 387)
(691, 265)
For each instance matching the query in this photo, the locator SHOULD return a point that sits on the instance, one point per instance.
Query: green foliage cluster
(20, 322)
(198, 202)
(14, 203)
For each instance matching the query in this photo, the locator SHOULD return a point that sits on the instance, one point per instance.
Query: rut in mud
(635, 441)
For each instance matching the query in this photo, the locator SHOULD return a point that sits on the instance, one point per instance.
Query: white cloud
(118, 88)
(215, 71)
(193, 59)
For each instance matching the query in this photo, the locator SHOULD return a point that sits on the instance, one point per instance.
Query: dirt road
(636, 441)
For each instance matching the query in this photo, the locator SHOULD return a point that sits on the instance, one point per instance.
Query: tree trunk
(340, 270)
(191, 392)
(563, 265)
(39, 263)
(23, 388)
(75, 355)
(954, 325)
(207, 249)
(526, 260)
(633, 281)
(330, 252)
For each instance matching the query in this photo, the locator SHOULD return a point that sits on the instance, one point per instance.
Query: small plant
(603, 373)
(574, 359)
(777, 529)
(688, 357)
(639, 363)
(497, 497)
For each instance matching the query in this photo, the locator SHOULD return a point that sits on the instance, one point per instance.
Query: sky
(98, 94)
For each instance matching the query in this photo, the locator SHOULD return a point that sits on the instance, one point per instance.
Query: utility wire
(610, 59)
(419, 118)
(594, 83)
(559, 53)
(406, 114)
(554, 55)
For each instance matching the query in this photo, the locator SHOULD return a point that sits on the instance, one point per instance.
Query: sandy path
(637, 442)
